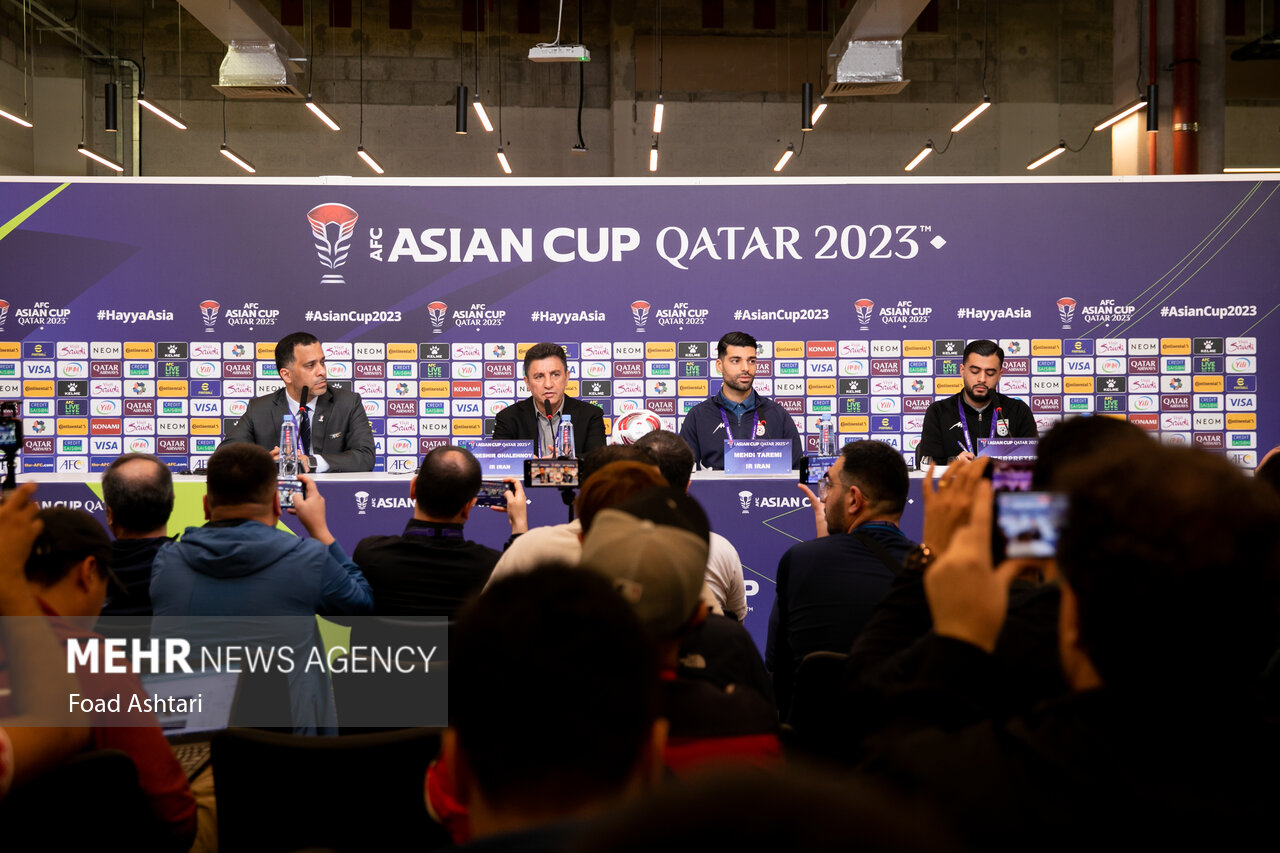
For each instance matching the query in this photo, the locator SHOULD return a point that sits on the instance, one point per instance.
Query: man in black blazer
(334, 432)
(546, 372)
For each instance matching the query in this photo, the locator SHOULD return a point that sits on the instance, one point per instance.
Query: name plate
(1009, 449)
(763, 456)
(498, 457)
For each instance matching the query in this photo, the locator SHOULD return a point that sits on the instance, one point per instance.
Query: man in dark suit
(333, 429)
(546, 372)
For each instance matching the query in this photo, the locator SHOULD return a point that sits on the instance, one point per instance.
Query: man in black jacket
(333, 430)
(137, 491)
(953, 426)
(546, 372)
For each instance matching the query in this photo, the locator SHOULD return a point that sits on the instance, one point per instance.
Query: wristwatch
(919, 558)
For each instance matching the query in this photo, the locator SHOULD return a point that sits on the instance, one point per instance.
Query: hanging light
(15, 119)
(919, 158)
(160, 111)
(1046, 157)
(368, 158)
(111, 119)
(806, 107)
(321, 114)
(977, 111)
(460, 114)
(95, 156)
(653, 158)
(502, 161)
(819, 110)
(237, 159)
(1130, 109)
(786, 156)
(484, 116)
(657, 115)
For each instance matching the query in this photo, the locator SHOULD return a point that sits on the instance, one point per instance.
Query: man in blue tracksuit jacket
(737, 412)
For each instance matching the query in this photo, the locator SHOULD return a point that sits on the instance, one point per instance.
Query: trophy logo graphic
(332, 225)
(640, 313)
(744, 501)
(209, 313)
(1066, 311)
(437, 311)
(863, 308)
(4, 313)
(362, 502)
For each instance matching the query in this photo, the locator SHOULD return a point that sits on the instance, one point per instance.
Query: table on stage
(761, 516)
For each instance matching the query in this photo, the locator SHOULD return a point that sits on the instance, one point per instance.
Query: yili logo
(339, 221)
(640, 313)
(209, 313)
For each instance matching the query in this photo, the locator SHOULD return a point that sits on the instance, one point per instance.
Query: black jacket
(940, 439)
(520, 421)
(340, 430)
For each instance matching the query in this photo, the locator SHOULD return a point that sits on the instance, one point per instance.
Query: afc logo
(340, 221)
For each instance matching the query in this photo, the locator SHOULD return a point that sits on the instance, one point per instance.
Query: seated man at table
(737, 412)
(333, 430)
(546, 373)
(432, 568)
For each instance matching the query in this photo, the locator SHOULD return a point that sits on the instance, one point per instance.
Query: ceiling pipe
(1186, 76)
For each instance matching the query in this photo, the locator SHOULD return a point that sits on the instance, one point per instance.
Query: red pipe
(1153, 152)
(1186, 73)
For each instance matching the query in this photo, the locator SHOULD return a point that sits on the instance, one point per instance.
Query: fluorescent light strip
(1239, 170)
(977, 111)
(237, 159)
(502, 161)
(321, 114)
(786, 155)
(817, 112)
(924, 152)
(484, 116)
(368, 159)
(161, 112)
(1139, 104)
(653, 158)
(657, 116)
(93, 155)
(1045, 158)
(15, 119)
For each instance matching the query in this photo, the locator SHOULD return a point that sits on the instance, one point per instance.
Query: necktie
(304, 430)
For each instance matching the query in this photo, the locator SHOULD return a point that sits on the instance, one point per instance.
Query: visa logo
(106, 445)
(1084, 365)
(205, 407)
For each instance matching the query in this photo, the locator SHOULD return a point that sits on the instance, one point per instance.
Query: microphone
(302, 397)
(547, 408)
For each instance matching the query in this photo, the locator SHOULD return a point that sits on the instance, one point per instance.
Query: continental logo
(1046, 346)
(73, 426)
(1175, 346)
(658, 349)
(1240, 421)
(788, 349)
(433, 388)
(855, 423)
(139, 349)
(1077, 384)
(691, 388)
(820, 387)
(10, 349)
(917, 349)
(206, 426)
(264, 351)
(947, 385)
(1208, 384)
(37, 388)
(571, 388)
(468, 426)
(171, 388)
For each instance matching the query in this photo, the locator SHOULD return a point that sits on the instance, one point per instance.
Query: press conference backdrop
(142, 315)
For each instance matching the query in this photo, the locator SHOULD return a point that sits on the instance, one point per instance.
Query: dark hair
(69, 535)
(140, 500)
(983, 348)
(602, 456)
(447, 479)
(1079, 438)
(1269, 472)
(879, 471)
(735, 339)
(1173, 557)
(672, 454)
(536, 635)
(537, 352)
(240, 473)
(284, 349)
(612, 485)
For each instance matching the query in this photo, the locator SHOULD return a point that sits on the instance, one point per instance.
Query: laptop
(190, 732)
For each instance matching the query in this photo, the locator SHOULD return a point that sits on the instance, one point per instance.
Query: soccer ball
(633, 425)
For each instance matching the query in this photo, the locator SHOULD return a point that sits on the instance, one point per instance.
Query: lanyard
(728, 433)
(442, 532)
(964, 425)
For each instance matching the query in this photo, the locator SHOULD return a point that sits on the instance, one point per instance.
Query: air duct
(865, 58)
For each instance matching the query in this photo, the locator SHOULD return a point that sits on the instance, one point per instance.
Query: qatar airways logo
(209, 313)
(332, 225)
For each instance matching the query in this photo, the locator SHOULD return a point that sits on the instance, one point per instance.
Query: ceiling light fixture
(806, 107)
(93, 155)
(237, 159)
(360, 149)
(924, 152)
(15, 119)
(160, 111)
(1047, 156)
(321, 114)
(653, 158)
(977, 111)
(368, 158)
(1127, 110)
(785, 158)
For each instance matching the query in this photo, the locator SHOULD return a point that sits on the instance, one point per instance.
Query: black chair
(92, 801)
(290, 792)
(816, 703)
(414, 694)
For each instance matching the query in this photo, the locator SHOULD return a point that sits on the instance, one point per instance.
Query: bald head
(137, 489)
(447, 481)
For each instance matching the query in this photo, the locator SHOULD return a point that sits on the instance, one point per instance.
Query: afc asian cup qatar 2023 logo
(744, 501)
(1066, 311)
(640, 313)
(864, 309)
(4, 313)
(362, 502)
(437, 312)
(332, 225)
(209, 313)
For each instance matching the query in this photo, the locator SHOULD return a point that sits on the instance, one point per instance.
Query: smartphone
(1026, 524)
(812, 468)
(1007, 476)
(493, 494)
(287, 488)
(550, 473)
